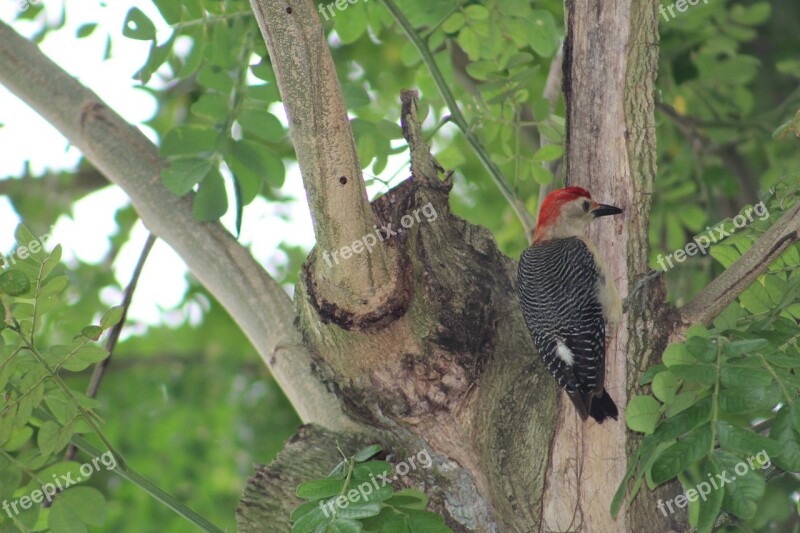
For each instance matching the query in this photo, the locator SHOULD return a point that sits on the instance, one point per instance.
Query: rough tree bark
(438, 357)
(610, 65)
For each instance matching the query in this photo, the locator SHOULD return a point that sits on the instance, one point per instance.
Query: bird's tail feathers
(602, 407)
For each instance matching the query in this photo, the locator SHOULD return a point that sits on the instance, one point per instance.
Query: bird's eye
(585, 207)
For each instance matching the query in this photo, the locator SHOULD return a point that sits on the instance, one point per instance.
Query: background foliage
(191, 406)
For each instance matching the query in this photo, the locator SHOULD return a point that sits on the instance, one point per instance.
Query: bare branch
(113, 335)
(127, 158)
(458, 119)
(718, 294)
(327, 156)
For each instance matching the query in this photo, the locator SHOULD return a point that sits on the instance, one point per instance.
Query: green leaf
(753, 15)
(157, 56)
(476, 12)
(359, 511)
(14, 282)
(87, 503)
(309, 521)
(352, 23)
(138, 26)
(251, 163)
(470, 42)
(67, 469)
(784, 433)
(665, 385)
(216, 78)
(749, 399)
(85, 30)
(740, 376)
(548, 152)
(396, 524)
(62, 519)
(542, 36)
(319, 488)
(454, 23)
(52, 438)
(355, 96)
(371, 469)
(742, 347)
(541, 174)
(112, 317)
(213, 106)
(650, 374)
(53, 287)
(19, 437)
(262, 123)
(170, 10)
(710, 500)
(681, 455)
(85, 356)
(481, 70)
(183, 174)
(92, 332)
(702, 373)
(642, 414)
(345, 525)
(677, 354)
(367, 452)
(189, 139)
(195, 57)
(684, 421)
(409, 498)
(743, 493)
(52, 260)
(28, 245)
(426, 522)
(745, 441)
(702, 349)
(211, 200)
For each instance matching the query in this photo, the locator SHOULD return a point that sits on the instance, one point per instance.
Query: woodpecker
(568, 299)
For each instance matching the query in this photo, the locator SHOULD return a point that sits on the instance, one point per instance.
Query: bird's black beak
(603, 210)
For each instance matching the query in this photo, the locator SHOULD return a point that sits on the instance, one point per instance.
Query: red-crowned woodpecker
(569, 301)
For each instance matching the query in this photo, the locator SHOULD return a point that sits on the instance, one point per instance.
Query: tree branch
(127, 158)
(326, 153)
(458, 119)
(716, 296)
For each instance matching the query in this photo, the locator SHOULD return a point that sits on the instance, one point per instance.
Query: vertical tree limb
(610, 56)
(326, 152)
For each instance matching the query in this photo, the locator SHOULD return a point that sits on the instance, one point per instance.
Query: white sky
(27, 137)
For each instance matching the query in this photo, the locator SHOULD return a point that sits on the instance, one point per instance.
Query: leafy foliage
(40, 413)
(356, 496)
(727, 396)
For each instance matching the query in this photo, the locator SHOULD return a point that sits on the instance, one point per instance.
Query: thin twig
(113, 334)
(724, 289)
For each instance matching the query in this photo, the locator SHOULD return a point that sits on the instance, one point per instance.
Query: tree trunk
(453, 370)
